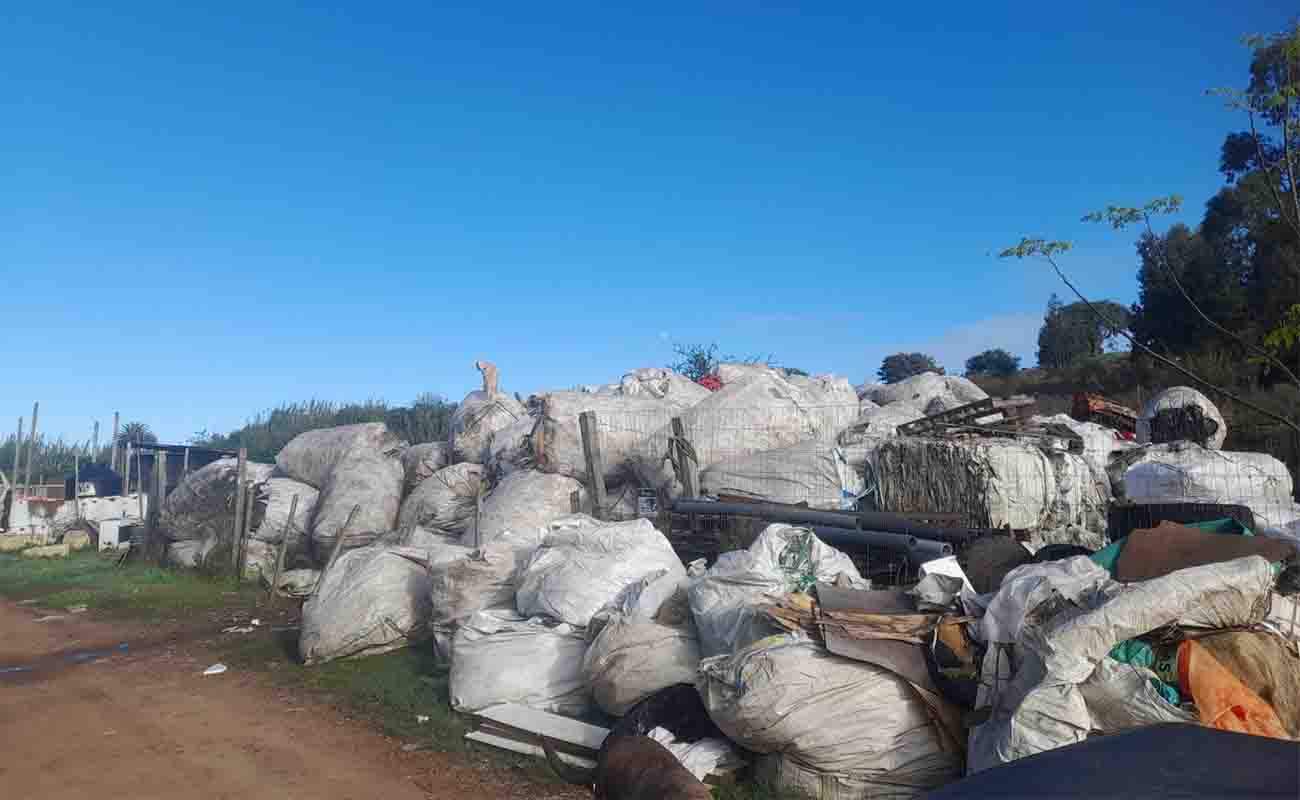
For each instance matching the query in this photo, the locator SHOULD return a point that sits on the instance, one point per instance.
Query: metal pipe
(922, 549)
(857, 520)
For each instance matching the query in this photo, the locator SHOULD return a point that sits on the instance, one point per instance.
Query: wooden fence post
(684, 460)
(18, 455)
(31, 451)
(113, 458)
(140, 488)
(250, 499)
(338, 548)
(284, 545)
(241, 473)
(595, 462)
(185, 468)
(126, 467)
(94, 444)
(157, 491)
(76, 485)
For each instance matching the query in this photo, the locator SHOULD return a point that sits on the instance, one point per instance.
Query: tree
(135, 433)
(996, 363)
(694, 361)
(901, 366)
(1074, 332)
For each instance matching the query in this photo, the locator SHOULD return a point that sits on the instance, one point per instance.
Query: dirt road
(144, 723)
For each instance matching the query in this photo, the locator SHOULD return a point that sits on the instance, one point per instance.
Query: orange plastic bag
(1222, 700)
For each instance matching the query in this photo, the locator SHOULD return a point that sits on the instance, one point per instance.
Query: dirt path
(145, 723)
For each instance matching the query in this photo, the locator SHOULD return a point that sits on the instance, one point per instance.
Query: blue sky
(206, 213)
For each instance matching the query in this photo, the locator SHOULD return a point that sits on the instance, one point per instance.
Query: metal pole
(861, 520)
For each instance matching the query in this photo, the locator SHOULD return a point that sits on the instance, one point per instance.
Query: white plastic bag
(931, 392)
(366, 480)
(827, 713)
(576, 572)
(523, 500)
(422, 460)
(312, 456)
(1181, 397)
(374, 599)
(631, 660)
(475, 420)
(501, 657)
(445, 501)
(814, 473)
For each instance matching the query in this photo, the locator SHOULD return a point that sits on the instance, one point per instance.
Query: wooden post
(94, 444)
(113, 457)
(76, 485)
(31, 451)
(126, 478)
(18, 455)
(241, 473)
(157, 490)
(685, 461)
(250, 498)
(338, 548)
(595, 462)
(185, 468)
(284, 545)
(139, 480)
(575, 502)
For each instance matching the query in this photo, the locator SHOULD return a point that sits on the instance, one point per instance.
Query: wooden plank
(687, 469)
(240, 476)
(284, 545)
(523, 748)
(553, 726)
(595, 462)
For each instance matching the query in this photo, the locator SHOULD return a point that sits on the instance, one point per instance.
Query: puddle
(58, 660)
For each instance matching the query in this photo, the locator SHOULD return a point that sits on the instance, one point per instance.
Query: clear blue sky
(205, 213)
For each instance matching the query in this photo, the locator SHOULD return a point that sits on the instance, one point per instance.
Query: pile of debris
(493, 549)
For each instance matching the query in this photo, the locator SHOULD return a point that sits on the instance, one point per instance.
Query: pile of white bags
(782, 559)
(662, 384)
(997, 483)
(1181, 397)
(931, 392)
(838, 718)
(577, 571)
(523, 500)
(510, 448)
(816, 473)
(374, 599)
(1182, 472)
(878, 422)
(501, 657)
(477, 417)
(1064, 618)
(464, 581)
(444, 501)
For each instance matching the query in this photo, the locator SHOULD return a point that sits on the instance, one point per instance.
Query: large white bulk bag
(1182, 472)
(1181, 397)
(445, 501)
(931, 392)
(367, 480)
(374, 599)
(202, 506)
(827, 714)
(631, 660)
(467, 581)
(523, 500)
(311, 457)
(501, 657)
(815, 473)
(782, 559)
(577, 571)
(476, 418)
(422, 460)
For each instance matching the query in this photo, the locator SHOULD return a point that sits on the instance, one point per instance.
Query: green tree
(136, 433)
(1071, 333)
(996, 363)
(694, 361)
(901, 366)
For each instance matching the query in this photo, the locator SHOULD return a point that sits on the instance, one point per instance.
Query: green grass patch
(134, 590)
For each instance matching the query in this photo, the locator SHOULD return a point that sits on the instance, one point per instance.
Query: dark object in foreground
(1157, 761)
(1124, 519)
(632, 768)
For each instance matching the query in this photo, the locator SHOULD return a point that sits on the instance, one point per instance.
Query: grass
(134, 590)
